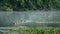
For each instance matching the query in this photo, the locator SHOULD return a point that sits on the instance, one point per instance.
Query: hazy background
(16, 18)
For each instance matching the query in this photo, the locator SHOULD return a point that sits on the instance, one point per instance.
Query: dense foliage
(24, 5)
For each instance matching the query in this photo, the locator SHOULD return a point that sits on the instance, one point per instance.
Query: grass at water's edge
(37, 31)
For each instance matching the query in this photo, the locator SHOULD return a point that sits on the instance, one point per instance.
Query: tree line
(24, 5)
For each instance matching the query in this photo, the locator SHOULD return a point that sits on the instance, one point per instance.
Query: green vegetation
(25, 5)
(37, 31)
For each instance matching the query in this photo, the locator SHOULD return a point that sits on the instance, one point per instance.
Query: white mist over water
(11, 18)
(33, 18)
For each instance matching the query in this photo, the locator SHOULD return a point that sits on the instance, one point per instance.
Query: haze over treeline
(10, 18)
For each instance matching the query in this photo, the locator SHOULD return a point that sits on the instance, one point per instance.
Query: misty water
(16, 20)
